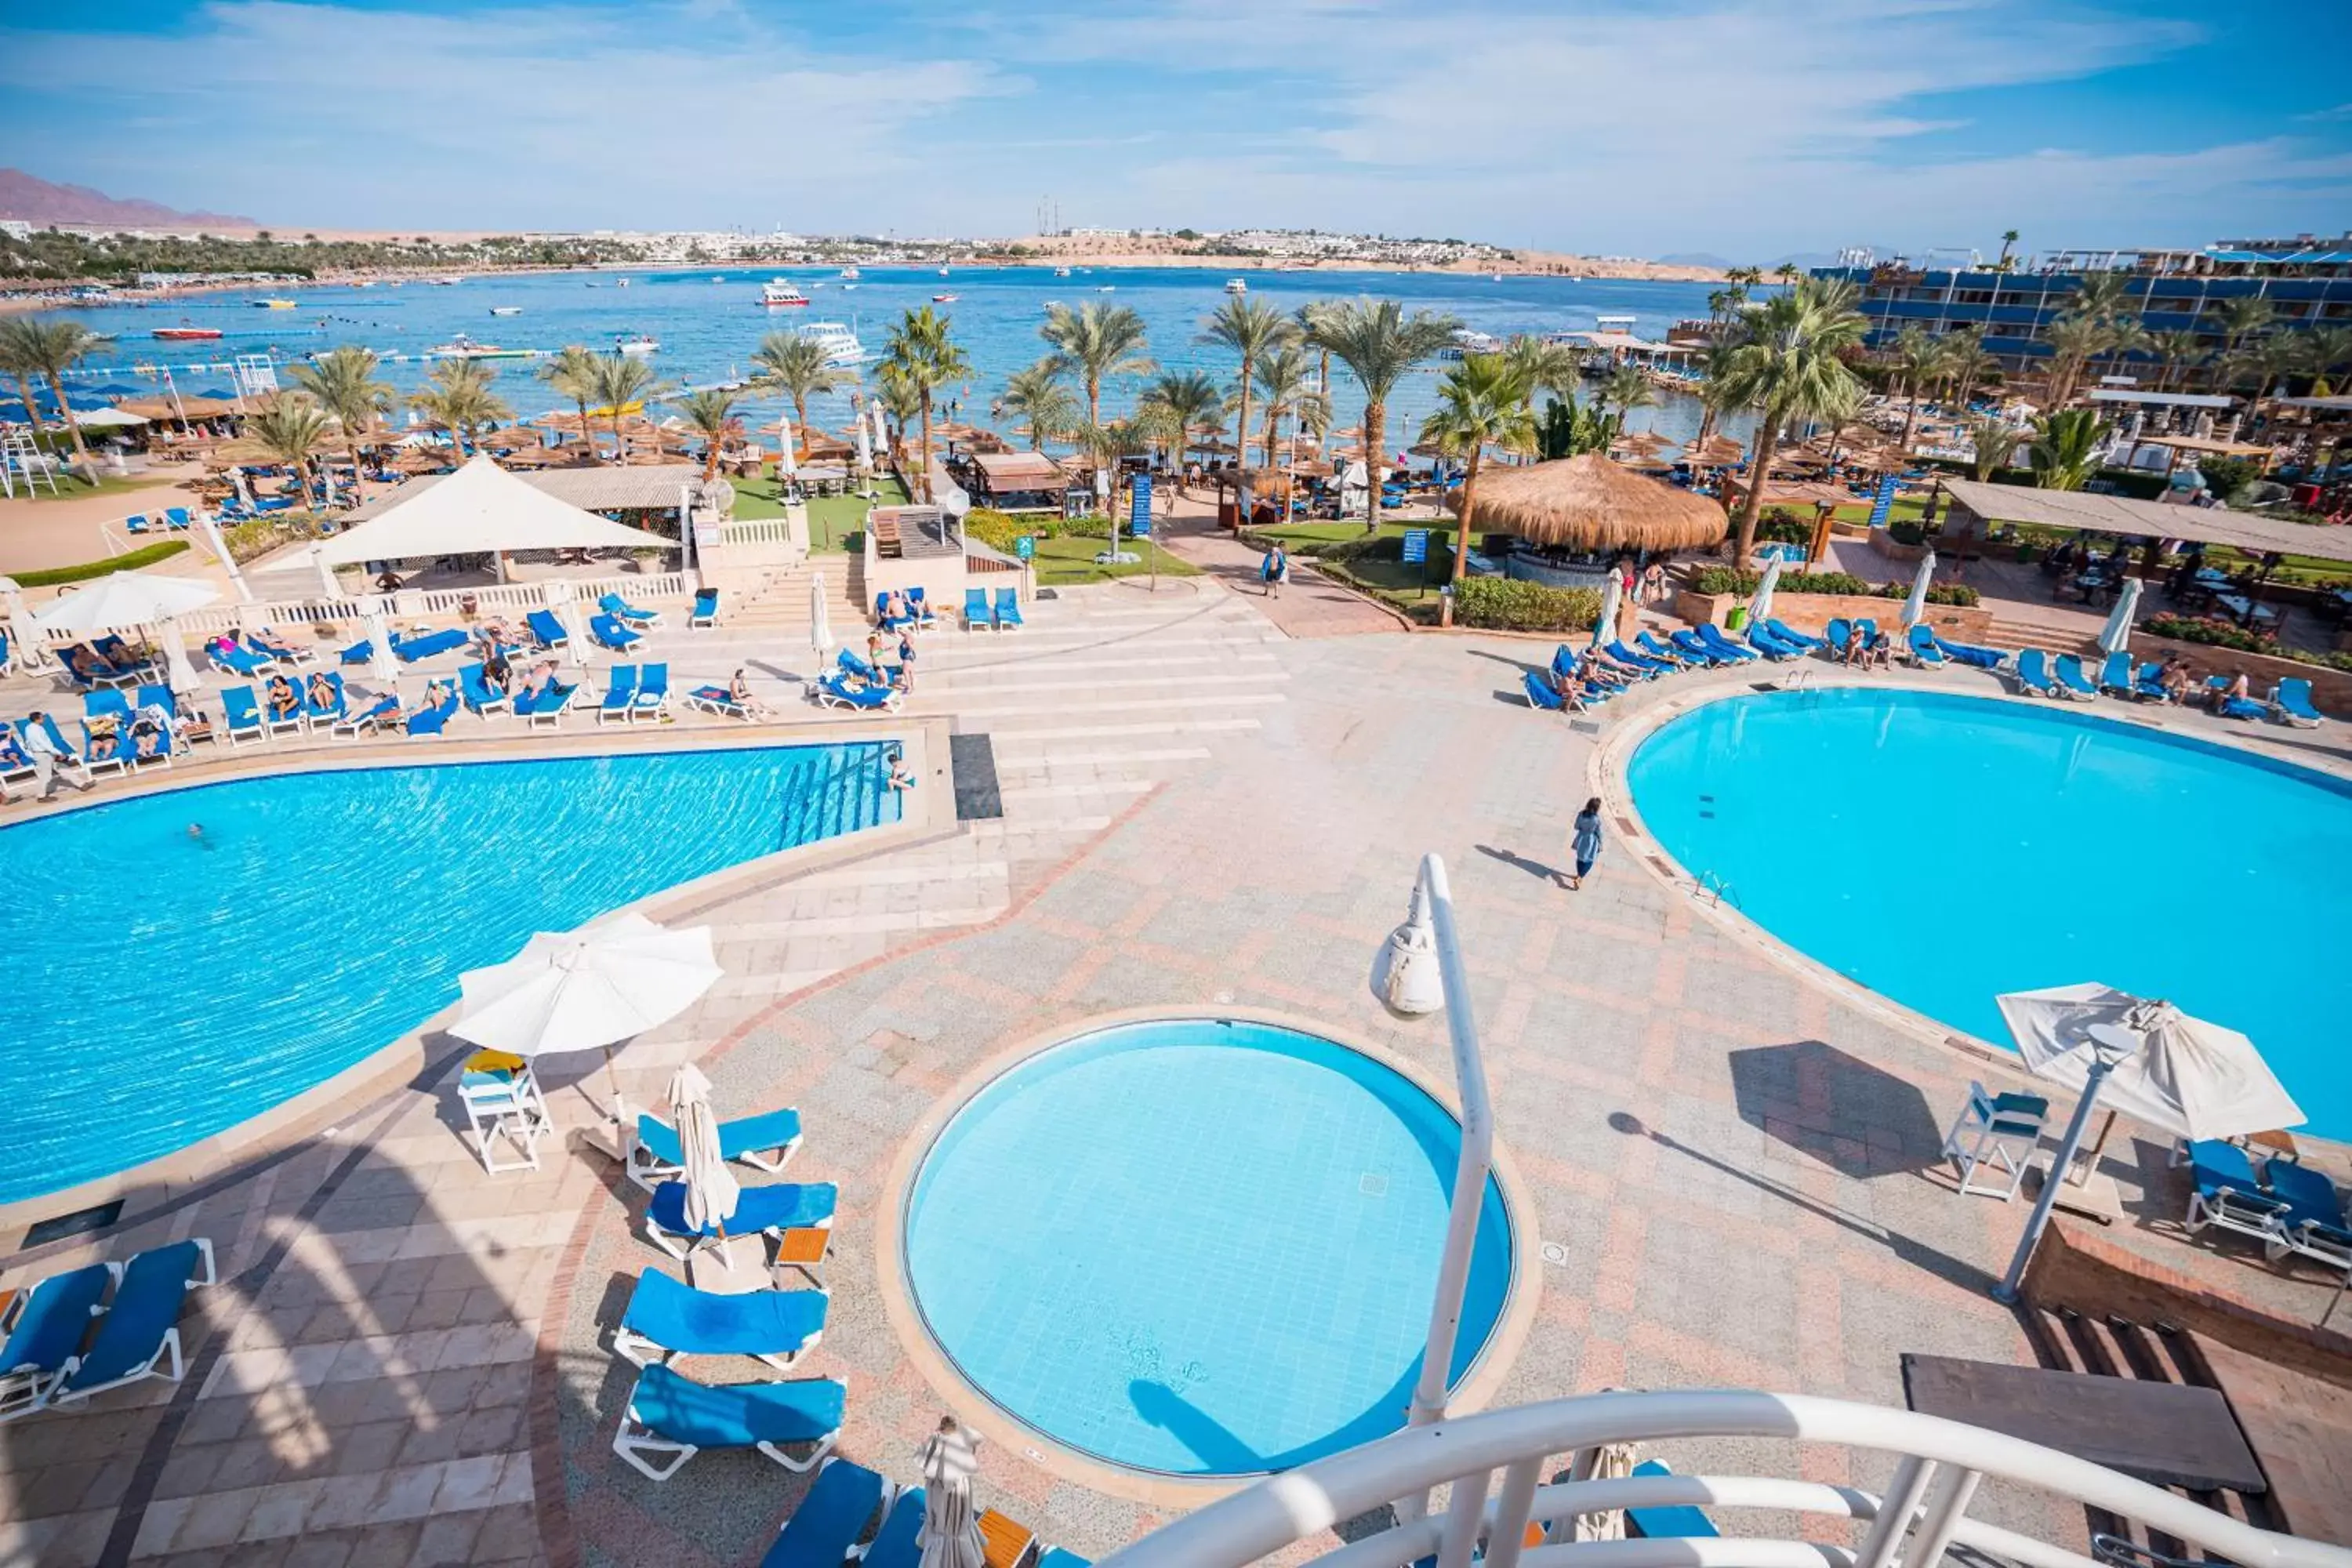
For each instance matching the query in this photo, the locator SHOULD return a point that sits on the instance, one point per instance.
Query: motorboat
(185, 334)
(842, 348)
(1237, 285)
(636, 343)
(463, 347)
(781, 294)
(849, 274)
(1061, 272)
(943, 298)
(506, 310)
(273, 304)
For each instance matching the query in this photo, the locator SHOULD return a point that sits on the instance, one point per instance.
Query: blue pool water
(159, 988)
(1943, 849)
(1196, 1246)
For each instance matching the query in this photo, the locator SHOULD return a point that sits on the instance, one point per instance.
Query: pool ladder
(1715, 888)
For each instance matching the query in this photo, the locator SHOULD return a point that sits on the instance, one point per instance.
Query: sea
(707, 320)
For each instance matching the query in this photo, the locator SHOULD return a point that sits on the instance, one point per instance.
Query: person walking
(1585, 842)
(49, 762)
(1277, 571)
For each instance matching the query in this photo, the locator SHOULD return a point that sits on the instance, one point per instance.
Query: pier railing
(514, 598)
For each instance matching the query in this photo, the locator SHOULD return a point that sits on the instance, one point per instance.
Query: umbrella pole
(2007, 1290)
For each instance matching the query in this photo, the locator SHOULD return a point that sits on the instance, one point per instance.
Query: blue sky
(1747, 128)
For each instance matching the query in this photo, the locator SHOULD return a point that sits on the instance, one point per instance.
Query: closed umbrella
(567, 611)
(2116, 637)
(23, 639)
(820, 622)
(177, 670)
(1609, 1462)
(1611, 597)
(711, 1188)
(1915, 608)
(576, 991)
(375, 610)
(950, 1532)
(865, 444)
(787, 463)
(1761, 604)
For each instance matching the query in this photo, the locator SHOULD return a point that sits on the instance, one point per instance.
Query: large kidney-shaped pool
(1944, 849)
(162, 984)
(1197, 1247)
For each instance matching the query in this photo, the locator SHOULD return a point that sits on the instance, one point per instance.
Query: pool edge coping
(972, 1406)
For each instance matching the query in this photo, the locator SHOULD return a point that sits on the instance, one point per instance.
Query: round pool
(1196, 1246)
(1941, 850)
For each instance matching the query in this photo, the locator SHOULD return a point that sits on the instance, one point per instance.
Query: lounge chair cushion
(686, 1321)
(779, 1205)
(2309, 1195)
(55, 1317)
(736, 1416)
(745, 1135)
(898, 1545)
(145, 1309)
(1675, 1522)
(829, 1520)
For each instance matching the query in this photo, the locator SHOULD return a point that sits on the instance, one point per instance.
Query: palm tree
(1378, 343)
(1787, 272)
(292, 429)
(2065, 447)
(1788, 367)
(1037, 396)
(2267, 362)
(623, 382)
(1969, 365)
(1917, 359)
(2073, 341)
(48, 350)
(1094, 341)
(21, 365)
(457, 397)
(572, 373)
(2007, 242)
(902, 401)
(1625, 389)
(2242, 317)
(1252, 330)
(2326, 350)
(1189, 399)
(1993, 442)
(1305, 318)
(799, 367)
(344, 383)
(1481, 403)
(1283, 376)
(1546, 366)
(924, 358)
(2174, 351)
(2104, 297)
(711, 413)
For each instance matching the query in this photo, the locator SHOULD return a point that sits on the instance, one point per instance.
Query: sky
(1746, 128)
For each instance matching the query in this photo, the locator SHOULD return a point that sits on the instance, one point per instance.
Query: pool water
(160, 987)
(1196, 1246)
(1943, 849)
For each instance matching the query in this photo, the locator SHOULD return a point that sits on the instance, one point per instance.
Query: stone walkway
(1734, 1173)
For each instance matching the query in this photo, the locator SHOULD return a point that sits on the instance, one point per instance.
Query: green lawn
(834, 522)
(1068, 561)
(70, 488)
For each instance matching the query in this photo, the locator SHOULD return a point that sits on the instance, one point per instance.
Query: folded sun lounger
(667, 1321)
(831, 1519)
(763, 1142)
(669, 1419)
(45, 1335)
(140, 1328)
(777, 1207)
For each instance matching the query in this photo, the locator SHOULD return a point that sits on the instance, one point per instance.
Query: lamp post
(2111, 1046)
(1418, 971)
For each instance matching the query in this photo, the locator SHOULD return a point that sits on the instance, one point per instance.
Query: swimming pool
(160, 987)
(1943, 849)
(1196, 1246)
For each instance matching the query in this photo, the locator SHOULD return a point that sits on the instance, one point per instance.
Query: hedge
(1726, 580)
(1503, 604)
(2212, 632)
(998, 530)
(145, 555)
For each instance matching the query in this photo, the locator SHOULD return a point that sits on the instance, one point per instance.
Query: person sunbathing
(1616, 668)
(86, 665)
(738, 692)
(1880, 652)
(540, 677)
(321, 692)
(105, 737)
(284, 702)
(11, 755)
(1854, 648)
(146, 735)
(2240, 690)
(265, 641)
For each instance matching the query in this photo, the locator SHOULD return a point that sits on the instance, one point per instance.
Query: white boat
(1469, 341)
(841, 345)
(849, 273)
(778, 292)
(943, 298)
(622, 284)
(1236, 286)
(506, 310)
(943, 271)
(463, 347)
(1061, 272)
(636, 343)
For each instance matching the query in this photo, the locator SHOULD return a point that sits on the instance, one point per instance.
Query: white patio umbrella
(1915, 608)
(711, 1188)
(122, 601)
(2116, 635)
(576, 991)
(881, 430)
(820, 620)
(1761, 604)
(24, 638)
(566, 609)
(1605, 626)
(2181, 1074)
(950, 1532)
(787, 464)
(375, 609)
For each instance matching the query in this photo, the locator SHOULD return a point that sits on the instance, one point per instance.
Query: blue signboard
(1026, 546)
(1885, 503)
(1416, 544)
(1138, 507)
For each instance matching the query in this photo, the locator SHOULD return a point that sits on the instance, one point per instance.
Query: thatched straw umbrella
(1588, 502)
(1717, 451)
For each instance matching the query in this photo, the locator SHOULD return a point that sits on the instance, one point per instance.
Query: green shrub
(1730, 580)
(2209, 631)
(1959, 594)
(1907, 531)
(1501, 604)
(998, 530)
(1778, 523)
(145, 555)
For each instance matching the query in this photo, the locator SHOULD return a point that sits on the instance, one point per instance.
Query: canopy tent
(481, 508)
(107, 419)
(1588, 503)
(2144, 520)
(193, 406)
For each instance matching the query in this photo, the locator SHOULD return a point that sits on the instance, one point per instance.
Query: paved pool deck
(1732, 1169)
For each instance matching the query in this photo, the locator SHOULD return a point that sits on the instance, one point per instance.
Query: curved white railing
(1495, 1464)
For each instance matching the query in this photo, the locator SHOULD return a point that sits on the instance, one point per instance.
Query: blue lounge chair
(1924, 653)
(547, 629)
(666, 1322)
(2225, 1192)
(898, 1543)
(359, 652)
(2229, 707)
(1760, 638)
(96, 670)
(16, 763)
(330, 714)
(135, 523)
(717, 701)
(1688, 645)
(620, 694)
(620, 609)
(1678, 1522)
(1541, 694)
(268, 650)
(2291, 700)
(607, 632)
(549, 707)
(245, 662)
(118, 653)
(763, 1142)
(706, 609)
(2033, 672)
(177, 516)
(1058, 1557)
(830, 1519)
(140, 1328)
(432, 720)
(156, 697)
(976, 612)
(66, 755)
(832, 692)
(2115, 675)
(1795, 639)
(111, 703)
(1868, 628)
(2077, 684)
(852, 665)
(651, 700)
(382, 711)
(2312, 1224)
(2148, 684)
(1968, 654)
(1836, 633)
(1722, 647)
(1008, 610)
(1641, 661)
(884, 618)
(670, 1419)
(1665, 653)
(772, 1209)
(241, 716)
(476, 692)
(45, 1335)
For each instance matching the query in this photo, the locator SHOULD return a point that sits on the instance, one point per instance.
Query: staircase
(783, 602)
(2012, 634)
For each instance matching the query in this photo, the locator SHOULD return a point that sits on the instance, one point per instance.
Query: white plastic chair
(505, 1107)
(1999, 1132)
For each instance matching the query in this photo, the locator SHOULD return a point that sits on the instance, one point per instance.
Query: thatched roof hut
(1590, 503)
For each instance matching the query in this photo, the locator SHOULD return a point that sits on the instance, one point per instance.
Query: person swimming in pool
(902, 777)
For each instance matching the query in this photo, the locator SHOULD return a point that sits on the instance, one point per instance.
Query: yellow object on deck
(487, 1060)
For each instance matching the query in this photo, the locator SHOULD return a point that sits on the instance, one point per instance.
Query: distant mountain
(36, 201)
(1707, 258)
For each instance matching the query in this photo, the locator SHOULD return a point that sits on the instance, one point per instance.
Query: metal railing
(1495, 1464)
(638, 588)
(1715, 887)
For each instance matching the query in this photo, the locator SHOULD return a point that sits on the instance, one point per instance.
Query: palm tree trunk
(800, 424)
(32, 409)
(586, 439)
(1462, 531)
(923, 461)
(351, 448)
(1376, 431)
(65, 411)
(1241, 425)
(1910, 418)
(1767, 437)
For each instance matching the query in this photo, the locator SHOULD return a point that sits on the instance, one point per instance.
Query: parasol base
(2095, 1198)
(614, 1138)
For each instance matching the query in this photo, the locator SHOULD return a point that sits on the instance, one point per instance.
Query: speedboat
(849, 273)
(184, 334)
(506, 310)
(778, 292)
(842, 349)
(1061, 272)
(273, 304)
(943, 298)
(1237, 285)
(463, 347)
(636, 343)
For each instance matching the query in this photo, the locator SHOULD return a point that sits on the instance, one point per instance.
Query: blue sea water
(1943, 849)
(708, 319)
(1197, 1247)
(162, 986)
